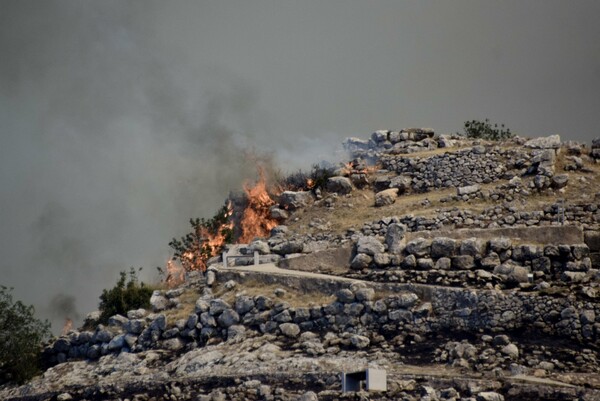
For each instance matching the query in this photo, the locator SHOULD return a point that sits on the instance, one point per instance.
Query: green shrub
(21, 337)
(484, 130)
(124, 296)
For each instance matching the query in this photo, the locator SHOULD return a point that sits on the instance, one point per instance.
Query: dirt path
(273, 269)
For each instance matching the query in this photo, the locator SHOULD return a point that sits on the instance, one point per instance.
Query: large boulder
(386, 197)
(468, 190)
(288, 247)
(443, 247)
(394, 237)
(402, 182)
(369, 245)
(544, 142)
(291, 330)
(560, 181)
(158, 301)
(361, 261)
(419, 247)
(341, 185)
(290, 200)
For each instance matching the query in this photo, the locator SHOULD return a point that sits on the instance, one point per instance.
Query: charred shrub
(126, 295)
(21, 337)
(306, 181)
(484, 130)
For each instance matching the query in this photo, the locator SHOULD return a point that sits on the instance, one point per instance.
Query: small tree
(21, 337)
(195, 248)
(124, 296)
(484, 130)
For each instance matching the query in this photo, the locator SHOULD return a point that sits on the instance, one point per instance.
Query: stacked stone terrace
(497, 297)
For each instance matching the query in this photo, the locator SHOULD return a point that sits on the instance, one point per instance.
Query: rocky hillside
(464, 270)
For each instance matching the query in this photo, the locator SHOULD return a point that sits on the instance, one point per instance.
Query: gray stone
(500, 244)
(217, 306)
(288, 247)
(369, 245)
(236, 331)
(382, 259)
(443, 247)
(402, 183)
(560, 181)
(309, 396)
(588, 316)
(365, 294)
(116, 343)
(340, 185)
(510, 350)
(345, 296)
(406, 299)
(360, 342)
(290, 200)
(463, 262)
(173, 344)
(547, 142)
(361, 261)
(262, 247)
(117, 320)
(135, 326)
(472, 246)
(291, 330)
(137, 314)
(386, 197)
(279, 214)
(467, 190)
(394, 237)
(159, 323)
(419, 247)
(425, 264)
(244, 304)
(158, 301)
(489, 396)
(210, 277)
(592, 240)
(202, 305)
(443, 264)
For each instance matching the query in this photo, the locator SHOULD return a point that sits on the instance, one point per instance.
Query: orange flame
(176, 273)
(68, 326)
(256, 220)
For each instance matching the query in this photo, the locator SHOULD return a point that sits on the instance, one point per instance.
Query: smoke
(121, 119)
(107, 152)
(63, 307)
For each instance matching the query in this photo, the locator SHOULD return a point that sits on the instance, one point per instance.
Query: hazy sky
(119, 120)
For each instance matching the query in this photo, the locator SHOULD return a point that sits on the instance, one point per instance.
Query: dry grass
(357, 208)
(254, 287)
(188, 302)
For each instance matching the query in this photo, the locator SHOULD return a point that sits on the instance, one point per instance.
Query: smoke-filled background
(120, 120)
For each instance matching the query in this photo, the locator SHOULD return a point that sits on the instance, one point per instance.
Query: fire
(310, 183)
(68, 326)
(175, 273)
(193, 251)
(256, 220)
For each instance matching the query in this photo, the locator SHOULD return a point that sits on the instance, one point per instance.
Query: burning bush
(21, 336)
(124, 296)
(306, 181)
(208, 237)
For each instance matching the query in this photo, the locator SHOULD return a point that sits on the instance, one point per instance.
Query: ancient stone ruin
(429, 267)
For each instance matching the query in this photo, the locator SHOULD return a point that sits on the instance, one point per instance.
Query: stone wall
(358, 318)
(476, 165)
